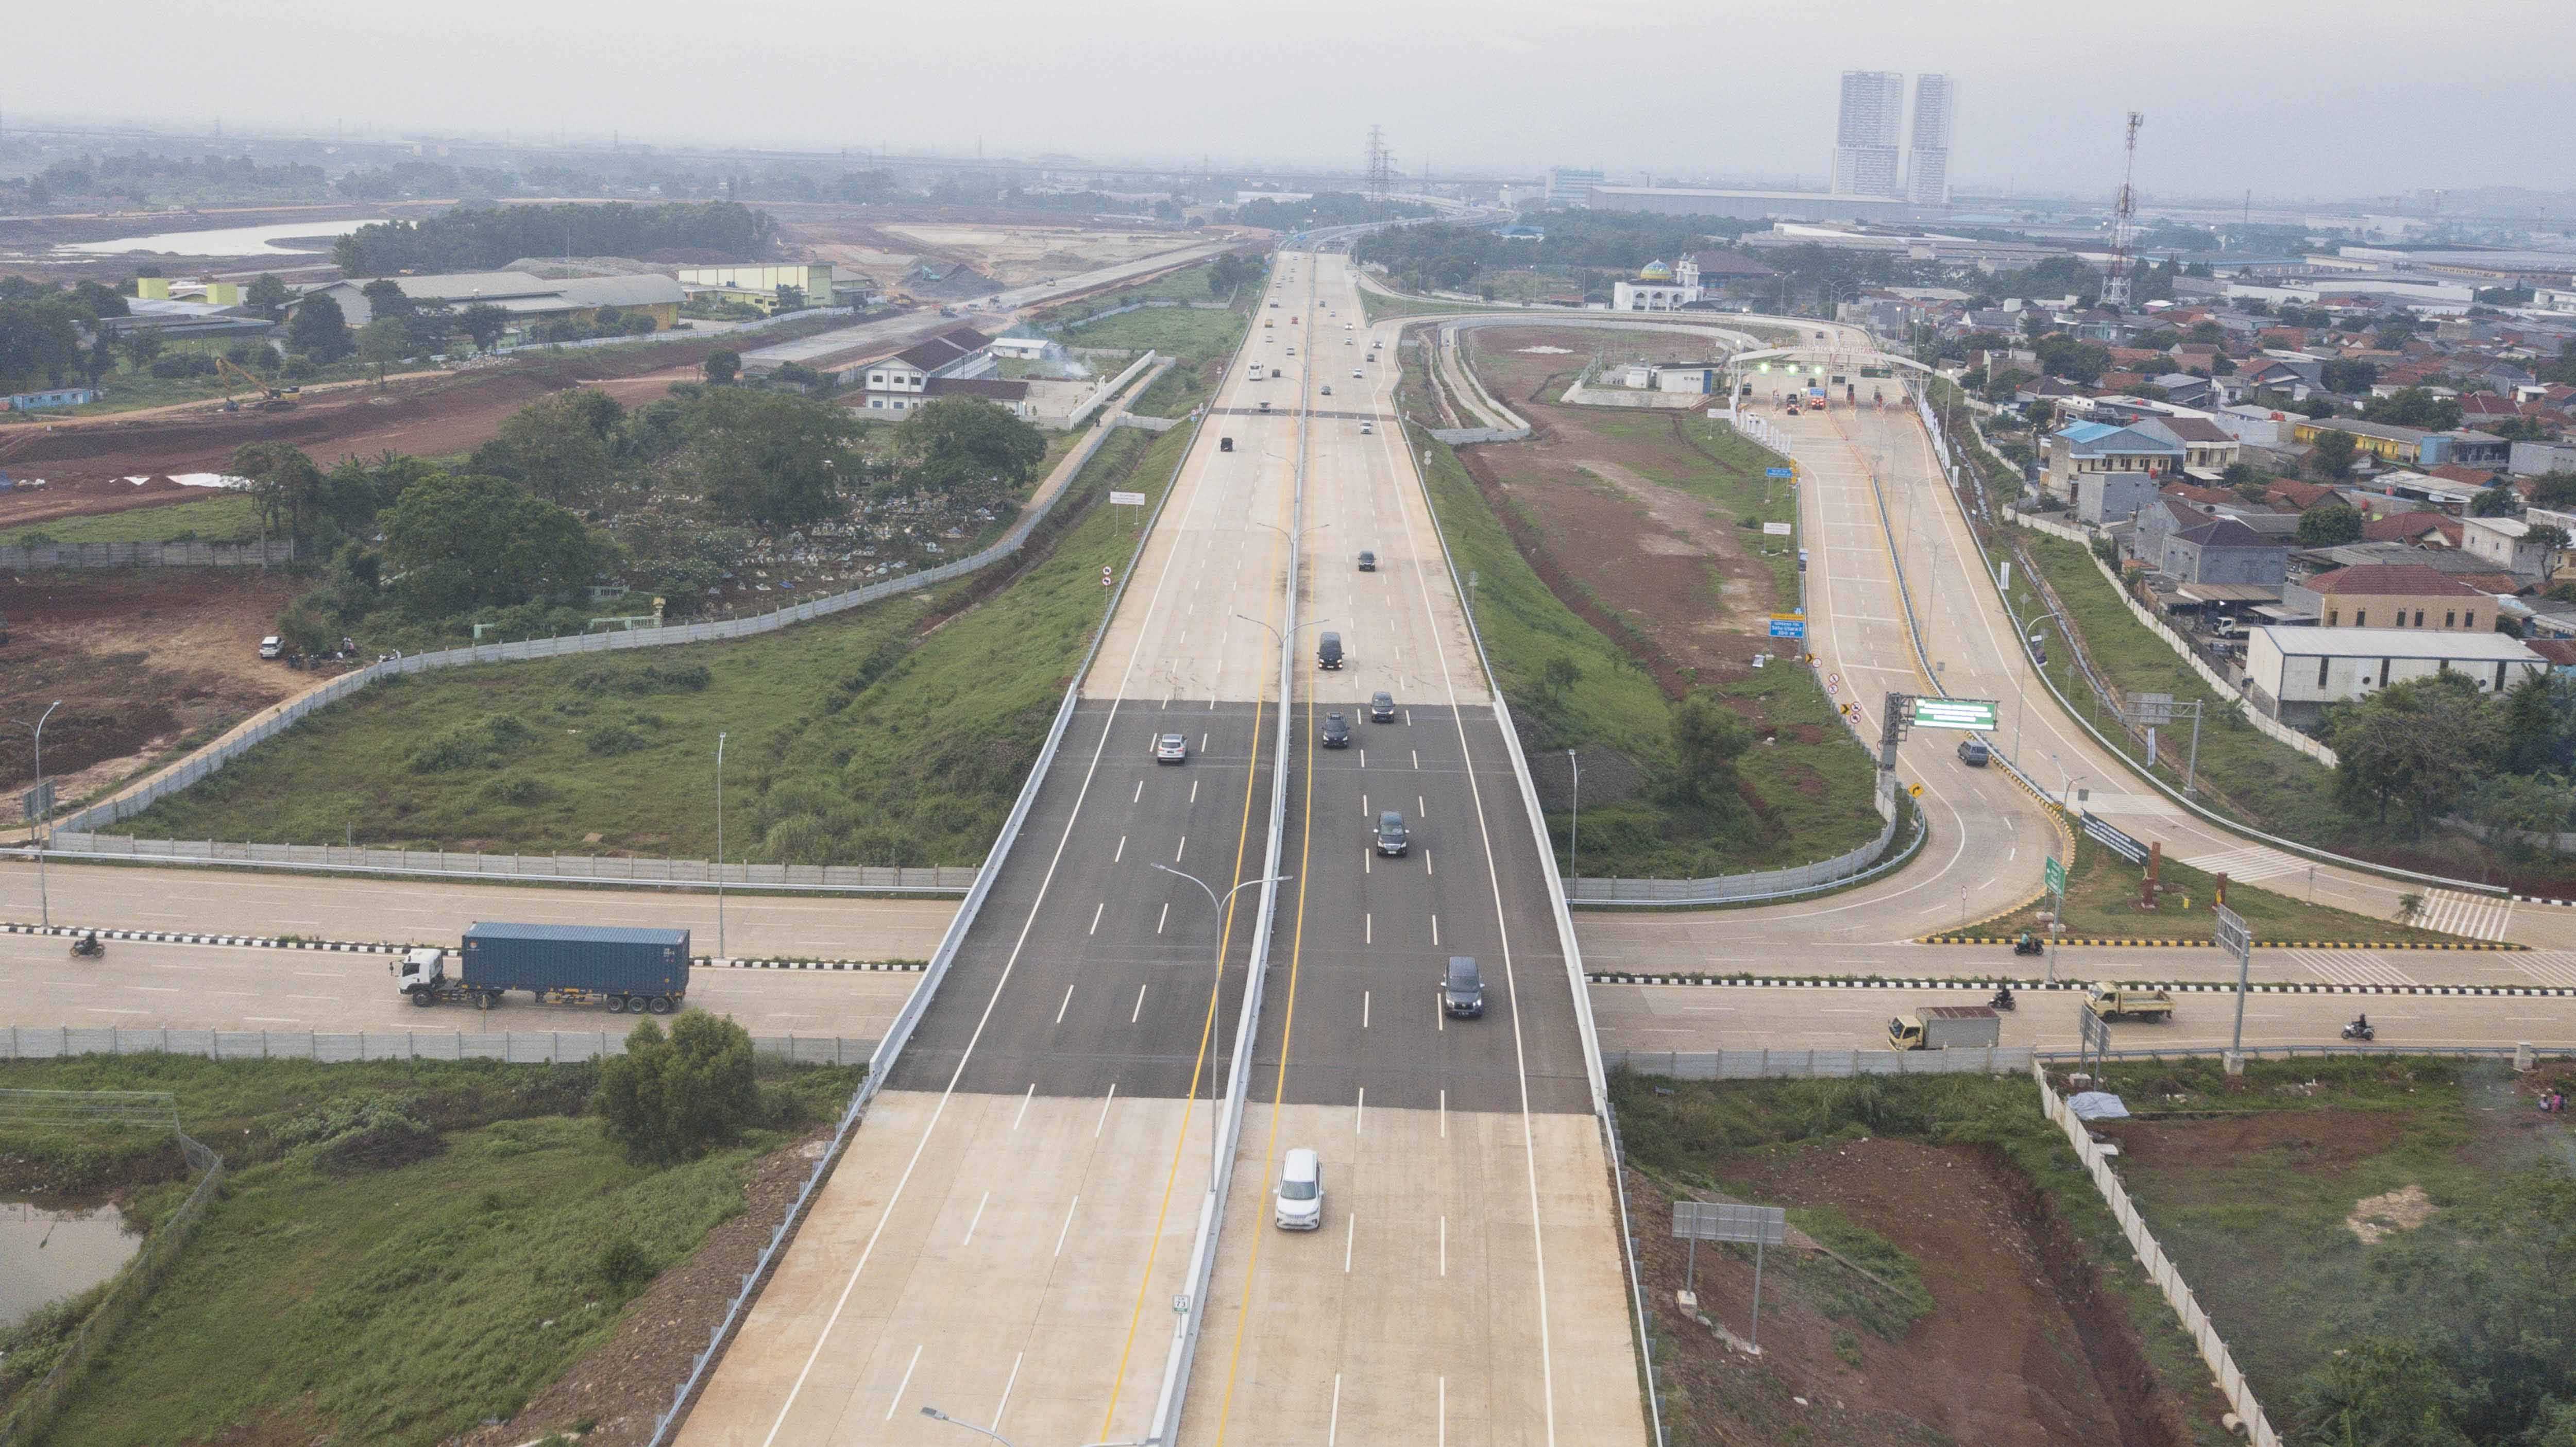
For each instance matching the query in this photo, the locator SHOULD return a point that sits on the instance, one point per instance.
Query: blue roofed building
(2106, 473)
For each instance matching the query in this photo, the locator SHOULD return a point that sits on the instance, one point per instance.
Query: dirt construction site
(1003, 254)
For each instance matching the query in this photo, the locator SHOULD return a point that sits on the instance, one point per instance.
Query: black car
(1381, 707)
(1368, 561)
(1336, 733)
(1462, 990)
(1974, 753)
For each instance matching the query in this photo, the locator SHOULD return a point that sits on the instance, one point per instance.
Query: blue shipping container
(542, 957)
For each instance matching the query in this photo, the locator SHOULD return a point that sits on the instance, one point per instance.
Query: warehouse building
(528, 299)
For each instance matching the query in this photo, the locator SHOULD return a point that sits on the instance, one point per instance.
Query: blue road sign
(1788, 627)
(1779, 472)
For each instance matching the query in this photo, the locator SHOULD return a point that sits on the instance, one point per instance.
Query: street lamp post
(1574, 843)
(44, 834)
(720, 900)
(1216, 902)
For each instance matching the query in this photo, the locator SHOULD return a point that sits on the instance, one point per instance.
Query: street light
(1574, 844)
(1217, 903)
(2069, 801)
(936, 1415)
(720, 910)
(44, 820)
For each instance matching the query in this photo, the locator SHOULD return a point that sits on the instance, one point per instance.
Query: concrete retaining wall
(148, 555)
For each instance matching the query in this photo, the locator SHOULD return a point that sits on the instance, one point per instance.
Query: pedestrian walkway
(2350, 967)
(2478, 916)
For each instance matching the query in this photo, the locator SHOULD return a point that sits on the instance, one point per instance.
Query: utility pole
(720, 910)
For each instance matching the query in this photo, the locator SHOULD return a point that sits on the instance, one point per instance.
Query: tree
(722, 366)
(1560, 674)
(1708, 737)
(386, 298)
(770, 458)
(266, 296)
(384, 341)
(2349, 378)
(2552, 540)
(2420, 744)
(2329, 525)
(2413, 407)
(2495, 501)
(791, 298)
(484, 323)
(968, 450)
(561, 448)
(284, 485)
(467, 542)
(2523, 814)
(2333, 455)
(676, 1097)
(2554, 490)
(320, 330)
(2062, 356)
(141, 346)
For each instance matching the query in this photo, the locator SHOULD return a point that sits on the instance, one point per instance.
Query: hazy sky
(2300, 98)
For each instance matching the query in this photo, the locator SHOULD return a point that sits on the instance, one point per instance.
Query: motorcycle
(2029, 944)
(2360, 1030)
(89, 947)
(2003, 999)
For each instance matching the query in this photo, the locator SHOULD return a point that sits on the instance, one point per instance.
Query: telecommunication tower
(2115, 291)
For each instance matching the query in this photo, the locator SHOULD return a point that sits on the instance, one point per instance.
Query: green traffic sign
(1977, 714)
(2055, 874)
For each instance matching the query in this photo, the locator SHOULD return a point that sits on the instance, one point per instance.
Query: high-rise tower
(1927, 155)
(1865, 130)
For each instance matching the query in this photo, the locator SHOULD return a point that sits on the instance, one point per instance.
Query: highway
(1466, 1284)
(1006, 1231)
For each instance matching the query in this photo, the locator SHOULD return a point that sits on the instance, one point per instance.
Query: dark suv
(1974, 753)
(1462, 990)
(1393, 839)
(1381, 707)
(1336, 733)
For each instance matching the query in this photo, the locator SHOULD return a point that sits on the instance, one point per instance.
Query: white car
(1171, 748)
(1300, 1202)
(271, 646)
(1355, 374)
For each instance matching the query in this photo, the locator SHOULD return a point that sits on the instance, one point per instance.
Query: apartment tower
(1927, 159)
(1865, 131)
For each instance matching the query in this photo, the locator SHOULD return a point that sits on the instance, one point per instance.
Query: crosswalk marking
(2350, 967)
(2253, 862)
(2548, 967)
(2478, 916)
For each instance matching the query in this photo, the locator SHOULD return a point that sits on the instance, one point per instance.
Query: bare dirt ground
(2015, 1350)
(84, 466)
(141, 658)
(1645, 553)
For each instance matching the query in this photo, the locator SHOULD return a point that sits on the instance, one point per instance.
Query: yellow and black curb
(369, 947)
(1990, 984)
(2102, 942)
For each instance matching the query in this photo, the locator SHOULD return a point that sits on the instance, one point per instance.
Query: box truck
(559, 964)
(1946, 1027)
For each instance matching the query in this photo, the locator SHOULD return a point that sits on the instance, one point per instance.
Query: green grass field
(1819, 791)
(328, 1297)
(2102, 892)
(223, 517)
(2267, 784)
(2250, 1184)
(854, 740)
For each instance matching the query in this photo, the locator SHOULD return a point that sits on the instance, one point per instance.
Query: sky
(2295, 100)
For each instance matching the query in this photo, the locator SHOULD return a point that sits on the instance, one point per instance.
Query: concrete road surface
(1005, 1234)
(1466, 1284)
(410, 911)
(142, 985)
(1647, 1018)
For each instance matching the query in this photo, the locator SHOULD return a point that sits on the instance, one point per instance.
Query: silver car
(1171, 748)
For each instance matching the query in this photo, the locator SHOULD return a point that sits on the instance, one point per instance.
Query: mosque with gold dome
(1658, 287)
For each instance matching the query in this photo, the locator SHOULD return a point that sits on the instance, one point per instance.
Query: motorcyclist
(2359, 1029)
(2003, 998)
(88, 945)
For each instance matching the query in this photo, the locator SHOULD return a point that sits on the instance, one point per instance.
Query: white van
(1300, 1206)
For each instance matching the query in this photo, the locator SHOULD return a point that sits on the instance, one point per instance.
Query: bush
(183, 364)
(610, 740)
(675, 1098)
(624, 1268)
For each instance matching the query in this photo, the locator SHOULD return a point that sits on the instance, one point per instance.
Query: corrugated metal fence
(1728, 888)
(543, 868)
(1816, 1064)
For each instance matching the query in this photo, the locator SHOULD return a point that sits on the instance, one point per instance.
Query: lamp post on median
(1217, 903)
(1574, 842)
(44, 812)
(720, 910)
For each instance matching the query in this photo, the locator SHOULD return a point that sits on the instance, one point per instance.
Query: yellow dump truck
(2118, 1002)
(1946, 1027)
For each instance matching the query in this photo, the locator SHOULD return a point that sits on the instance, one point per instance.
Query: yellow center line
(1287, 1034)
(1207, 1033)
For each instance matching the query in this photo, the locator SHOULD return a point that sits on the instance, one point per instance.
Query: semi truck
(560, 964)
(1946, 1027)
